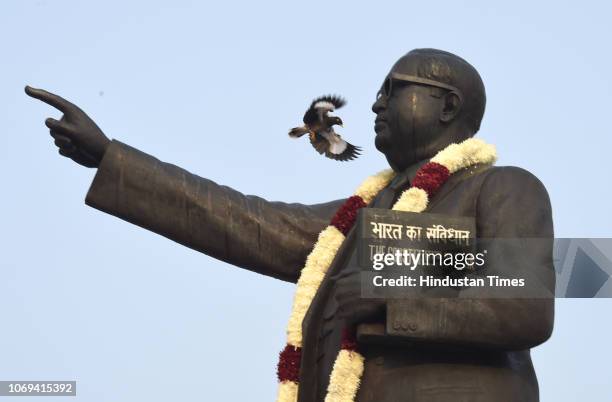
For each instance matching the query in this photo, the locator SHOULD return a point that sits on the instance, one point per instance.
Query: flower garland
(349, 364)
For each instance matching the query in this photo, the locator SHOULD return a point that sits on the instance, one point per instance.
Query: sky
(213, 87)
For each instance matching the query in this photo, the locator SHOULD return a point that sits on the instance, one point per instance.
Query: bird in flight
(319, 126)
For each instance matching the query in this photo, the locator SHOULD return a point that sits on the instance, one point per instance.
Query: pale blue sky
(213, 87)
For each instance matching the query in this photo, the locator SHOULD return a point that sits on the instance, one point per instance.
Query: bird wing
(321, 106)
(350, 152)
(334, 147)
(319, 143)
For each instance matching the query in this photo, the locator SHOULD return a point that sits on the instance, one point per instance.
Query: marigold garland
(348, 366)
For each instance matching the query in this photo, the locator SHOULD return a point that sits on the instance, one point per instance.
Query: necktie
(387, 197)
(389, 194)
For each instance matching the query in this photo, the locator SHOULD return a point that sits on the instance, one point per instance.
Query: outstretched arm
(272, 238)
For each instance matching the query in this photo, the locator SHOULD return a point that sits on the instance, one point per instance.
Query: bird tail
(297, 132)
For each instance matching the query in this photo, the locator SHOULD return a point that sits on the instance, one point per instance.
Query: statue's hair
(451, 69)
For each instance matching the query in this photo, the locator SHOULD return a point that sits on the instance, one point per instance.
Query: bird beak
(341, 125)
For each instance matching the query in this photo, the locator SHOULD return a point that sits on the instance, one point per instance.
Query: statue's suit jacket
(427, 349)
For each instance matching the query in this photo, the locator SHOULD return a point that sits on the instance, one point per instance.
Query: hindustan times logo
(411, 259)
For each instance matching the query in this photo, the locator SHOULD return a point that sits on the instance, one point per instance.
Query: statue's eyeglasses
(387, 86)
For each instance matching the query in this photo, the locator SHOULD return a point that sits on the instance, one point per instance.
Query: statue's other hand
(351, 306)
(76, 135)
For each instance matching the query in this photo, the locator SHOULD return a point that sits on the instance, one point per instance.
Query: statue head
(429, 99)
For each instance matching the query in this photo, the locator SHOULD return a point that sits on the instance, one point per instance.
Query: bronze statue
(429, 349)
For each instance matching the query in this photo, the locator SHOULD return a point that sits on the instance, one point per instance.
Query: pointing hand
(76, 135)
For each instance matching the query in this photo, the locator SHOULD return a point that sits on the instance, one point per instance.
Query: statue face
(406, 119)
(413, 117)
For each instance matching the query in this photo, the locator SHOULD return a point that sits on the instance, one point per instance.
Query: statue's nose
(380, 104)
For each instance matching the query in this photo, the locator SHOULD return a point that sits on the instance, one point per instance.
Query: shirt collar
(404, 178)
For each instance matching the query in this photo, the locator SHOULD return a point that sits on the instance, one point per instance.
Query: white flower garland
(349, 364)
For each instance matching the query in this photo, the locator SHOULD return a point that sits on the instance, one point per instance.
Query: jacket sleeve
(512, 208)
(271, 238)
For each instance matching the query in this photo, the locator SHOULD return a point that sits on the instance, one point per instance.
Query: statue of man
(425, 349)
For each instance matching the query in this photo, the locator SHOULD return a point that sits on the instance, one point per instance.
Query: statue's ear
(451, 105)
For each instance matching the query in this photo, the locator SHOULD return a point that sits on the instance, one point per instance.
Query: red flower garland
(348, 341)
(344, 219)
(430, 177)
(289, 364)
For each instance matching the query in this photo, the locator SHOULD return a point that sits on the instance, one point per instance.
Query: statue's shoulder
(483, 171)
(511, 175)
(512, 182)
(500, 179)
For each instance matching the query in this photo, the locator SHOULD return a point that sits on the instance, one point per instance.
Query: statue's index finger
(50, 98)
